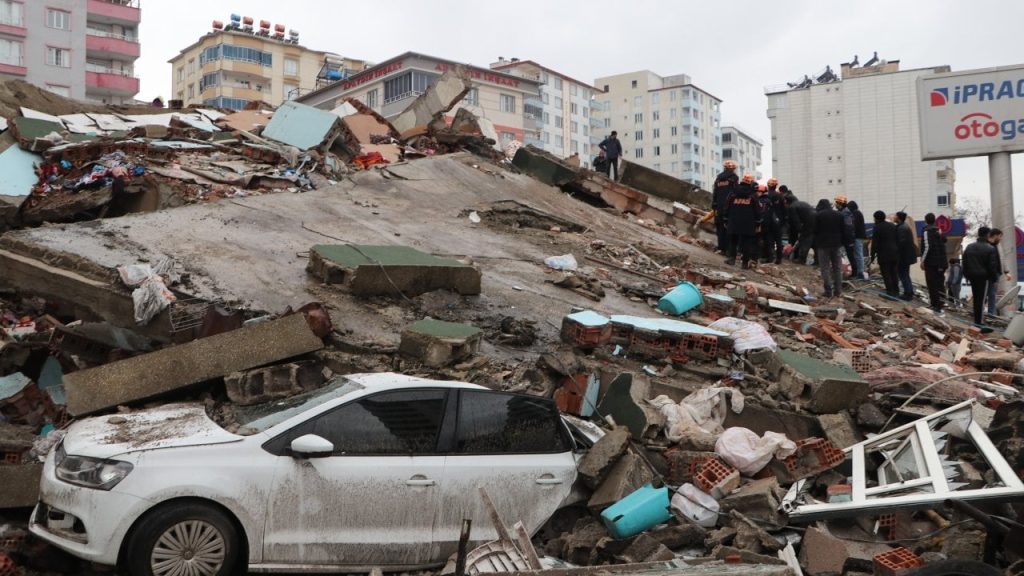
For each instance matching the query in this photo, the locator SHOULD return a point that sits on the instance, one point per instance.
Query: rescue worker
(847, 214)
(778, 221)
(801, 221)
(725, 185)
(885, 247)
(765, 226)
(741, 221)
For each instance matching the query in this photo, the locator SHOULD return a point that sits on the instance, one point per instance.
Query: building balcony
(532, 122)
(115, 11)
(14, 28)
(108, 81)
(533, 141)
(597, 123)
(16, 67)
(111, 46)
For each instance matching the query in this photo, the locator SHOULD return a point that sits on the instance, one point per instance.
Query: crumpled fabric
(150, 296)
(364, 161)
(702, 412)
(746, 335)
(749, 453)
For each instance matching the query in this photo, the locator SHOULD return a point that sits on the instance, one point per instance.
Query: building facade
(857, 135)
(389, 87)
(82, 49)
(559, 120)
(664, 123)
(243, 62)
(741, 147)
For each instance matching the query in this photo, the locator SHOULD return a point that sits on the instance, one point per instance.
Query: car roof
(374, 381)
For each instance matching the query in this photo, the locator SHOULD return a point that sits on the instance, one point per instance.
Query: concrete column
(1000, 180)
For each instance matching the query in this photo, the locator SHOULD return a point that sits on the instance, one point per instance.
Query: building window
(657, 150)
(58, 19)
(634, 86)
(638, 118)
(675, 149)
(607, 122)
(573, 108)
(181, 73)
(943, 200)
(727, 137)
(655, 116)
(407, 84)
(574, 146)
(472, 97)
(574, 127)
(291, 67)
(638, 101)
(228, 52)
(573, 89)
(586, 130)
(638, 153)
(558, 83)
(545, 97)
(638, 135)
(191, 66)
(675, 167)
(675, 130)
(558, 102)
(727, 153)
(58, 57)
(10, 52)
(64, 91)
(656, 133)
(229, 103)
(586, 112)
(212, 79)
(655, 98)
(11, 13)
(547, 118)
(507, 136)
(559, 122)
(672, 98)
(605, 87)
(191, 91)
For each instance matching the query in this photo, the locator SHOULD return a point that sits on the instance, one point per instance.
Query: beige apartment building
(742, 147)
(232, 66)
(665, 123)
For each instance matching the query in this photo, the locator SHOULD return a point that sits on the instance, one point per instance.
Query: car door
(373, 501)
(517, 448)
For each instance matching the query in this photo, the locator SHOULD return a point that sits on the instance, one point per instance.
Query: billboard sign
(971, 113)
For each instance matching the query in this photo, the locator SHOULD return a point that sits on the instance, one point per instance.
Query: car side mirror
(311, 446)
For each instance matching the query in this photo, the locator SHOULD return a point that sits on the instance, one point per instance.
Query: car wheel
(186, 539)
(955, 568)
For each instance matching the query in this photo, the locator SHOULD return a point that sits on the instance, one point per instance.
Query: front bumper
(87, 523)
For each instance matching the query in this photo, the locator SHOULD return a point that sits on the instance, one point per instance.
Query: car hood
(169, 426)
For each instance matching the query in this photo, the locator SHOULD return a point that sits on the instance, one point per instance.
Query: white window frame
(13, 59)
(59, 90)
(58, 19)
(293, 64)
(508, 103)
(17, 12)
(53, 54)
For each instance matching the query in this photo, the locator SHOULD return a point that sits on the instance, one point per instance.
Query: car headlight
(89, 472)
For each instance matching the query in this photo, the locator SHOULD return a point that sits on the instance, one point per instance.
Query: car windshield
(256, 419)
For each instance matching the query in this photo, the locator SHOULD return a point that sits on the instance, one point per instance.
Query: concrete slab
(664, 186)
(177, 367)
(437, 343)
(301, 126)
(19, 169)
(381, 270)
(21, 485)
(544, 166)
(817, 369)
(440, 97)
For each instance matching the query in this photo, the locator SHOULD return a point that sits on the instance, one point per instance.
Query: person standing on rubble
(981, 266)
(612, 150)
(725, 185)
(830, 236)
(764, 225)
(742, 218)
(860, 234)
(775, 220)
(908, 254)
(601, 163)
(954, 281)
(995, 236)
(885, 247)
(847, 214)
(933, 261)
(801, 221)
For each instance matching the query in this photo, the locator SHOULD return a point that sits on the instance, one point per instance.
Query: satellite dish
(1008, 297)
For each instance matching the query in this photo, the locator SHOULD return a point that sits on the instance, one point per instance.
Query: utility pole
(1000, 179)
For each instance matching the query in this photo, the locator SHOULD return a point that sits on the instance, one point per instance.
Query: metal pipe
(983, 518)
(1000, 182)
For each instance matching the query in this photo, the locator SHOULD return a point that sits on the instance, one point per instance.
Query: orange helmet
(773, 181)
(840, 199)
(748, 178)
(762, 188)
(729, 165)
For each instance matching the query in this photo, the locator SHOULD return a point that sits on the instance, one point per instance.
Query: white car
(372, 470)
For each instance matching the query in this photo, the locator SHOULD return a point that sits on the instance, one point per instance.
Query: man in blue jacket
(612, 150)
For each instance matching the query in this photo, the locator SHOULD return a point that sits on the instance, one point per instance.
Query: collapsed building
(153, 256)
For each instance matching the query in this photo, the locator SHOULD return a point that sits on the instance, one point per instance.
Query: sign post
(978, 113)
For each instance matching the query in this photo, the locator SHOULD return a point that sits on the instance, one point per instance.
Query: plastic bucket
(640, 511)
(681, 299)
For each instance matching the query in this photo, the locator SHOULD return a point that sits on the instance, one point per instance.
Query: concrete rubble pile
(733, 422)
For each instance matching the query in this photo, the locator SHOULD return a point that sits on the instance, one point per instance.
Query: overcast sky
(732, 49)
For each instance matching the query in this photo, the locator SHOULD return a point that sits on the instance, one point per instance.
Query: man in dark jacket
(612, 150)
(981, 266)
(908, 254)
(801, 222)
(933, 261)
(725, 185)
(743, 216)
(885, 247)
(844, 210)
(774, 220)
(995, 236)
(860, 234)
(830, 236)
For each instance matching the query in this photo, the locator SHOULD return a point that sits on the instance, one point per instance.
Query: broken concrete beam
(440, 97)
(823, 554)
(302, 126)
(386, 270)
(839, 429)
(598, 461)
(759, 500)
(989, 360)
(626, 477)
(272, 382)
(177, 367)
(21, 485)
(436, 343)
(544, 166)
(830, 396)
(662, 185)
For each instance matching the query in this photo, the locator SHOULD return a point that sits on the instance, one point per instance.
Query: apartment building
(559, 120)
(857, 134)
(82, 49)
(389, 87)
(665, 123)
(743, 148)
(244, 61)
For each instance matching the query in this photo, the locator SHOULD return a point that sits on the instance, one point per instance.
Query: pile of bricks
(812, 456)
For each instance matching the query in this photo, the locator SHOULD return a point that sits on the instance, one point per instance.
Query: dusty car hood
(169, 426)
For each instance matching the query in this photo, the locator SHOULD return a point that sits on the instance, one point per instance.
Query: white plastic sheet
(746, 335)
(695, 505)
(563, 262)
(151, 298)
(701, 412)
(749, 453)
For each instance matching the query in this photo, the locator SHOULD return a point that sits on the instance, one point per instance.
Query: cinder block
(272, 382)
(436, 343)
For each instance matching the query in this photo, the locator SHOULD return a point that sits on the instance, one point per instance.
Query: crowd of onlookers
(752, 220)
